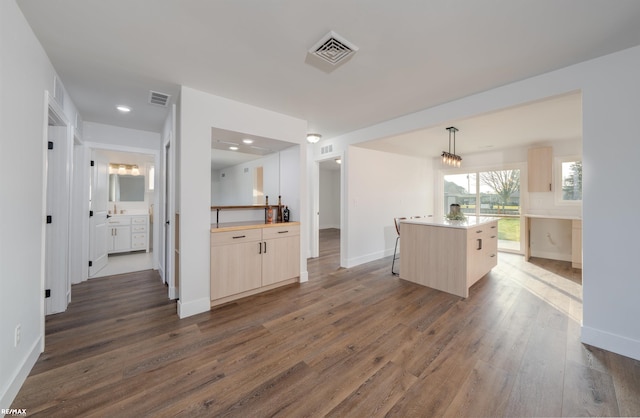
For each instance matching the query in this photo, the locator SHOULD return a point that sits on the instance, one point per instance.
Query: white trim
(304, 276)
(557, 180)
(611, 342)
(352, 262)
(21, 374)
(194, 307)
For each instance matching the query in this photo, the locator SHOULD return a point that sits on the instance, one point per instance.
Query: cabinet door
(540, 169)
(122, 238)
(235, 268)
(280, 259)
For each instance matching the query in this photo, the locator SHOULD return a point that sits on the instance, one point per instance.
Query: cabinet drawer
(280, 231)
(236, 237)
(139, 228)
(119, 220)
(139, 220)
(138, 241)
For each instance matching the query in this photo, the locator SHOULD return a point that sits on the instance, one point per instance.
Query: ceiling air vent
(159, 99)
(333, 49)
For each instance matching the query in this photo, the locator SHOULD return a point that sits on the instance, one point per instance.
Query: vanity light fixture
(117, 168)
(313, 138)
(122, 169)
(451, 158)
(135, 171)
(123, 108)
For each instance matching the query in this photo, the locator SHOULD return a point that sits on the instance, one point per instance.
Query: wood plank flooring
(355, 342)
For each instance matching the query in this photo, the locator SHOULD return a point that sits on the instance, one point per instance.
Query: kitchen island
(448, 255)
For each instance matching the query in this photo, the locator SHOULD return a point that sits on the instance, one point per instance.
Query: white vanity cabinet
(128, 233)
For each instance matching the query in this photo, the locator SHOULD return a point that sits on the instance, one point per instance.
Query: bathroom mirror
(126, 188)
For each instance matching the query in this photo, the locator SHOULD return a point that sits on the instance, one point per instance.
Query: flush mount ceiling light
(233, 148)
(247, 141)
(123, 109)
(450, 158)
(338, 160)
(313, 138)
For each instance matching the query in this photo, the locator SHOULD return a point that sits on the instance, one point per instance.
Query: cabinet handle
(240, 236)
(283, 232)
(493, 236)
(493, 255)
(479, 244)
(479, 231)
(493, 227)
(265, 247)
(259, 248)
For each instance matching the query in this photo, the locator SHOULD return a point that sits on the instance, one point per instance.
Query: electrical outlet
(18, 335)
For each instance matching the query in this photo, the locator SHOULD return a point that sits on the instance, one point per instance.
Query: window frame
(558, 180)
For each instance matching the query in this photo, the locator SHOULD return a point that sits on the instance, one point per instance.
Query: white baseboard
(172, 293)
(356, 261)
(304, 276)
(551, 255)
(611, 342)
(17, 380)
(195, 307)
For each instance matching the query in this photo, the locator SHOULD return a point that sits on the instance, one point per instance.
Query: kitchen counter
(238, 226)
(448, 255)
(470, 222)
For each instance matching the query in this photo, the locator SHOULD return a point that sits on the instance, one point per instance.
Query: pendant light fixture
(450, 158)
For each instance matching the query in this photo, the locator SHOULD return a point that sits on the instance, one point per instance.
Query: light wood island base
(448, 255)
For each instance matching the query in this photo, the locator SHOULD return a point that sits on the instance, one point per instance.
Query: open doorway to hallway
(329, 216)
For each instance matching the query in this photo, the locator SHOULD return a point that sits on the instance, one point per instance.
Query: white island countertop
(470, 222)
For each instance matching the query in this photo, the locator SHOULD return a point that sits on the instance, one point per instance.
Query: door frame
(167, 238)
(315, 205)
(97, 146)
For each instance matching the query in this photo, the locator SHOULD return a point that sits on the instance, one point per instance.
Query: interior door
(98, 226)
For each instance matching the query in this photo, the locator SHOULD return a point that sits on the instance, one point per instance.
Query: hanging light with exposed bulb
(451, 158)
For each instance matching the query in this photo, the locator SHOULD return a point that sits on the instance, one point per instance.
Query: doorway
(329, 210)
(123, 199)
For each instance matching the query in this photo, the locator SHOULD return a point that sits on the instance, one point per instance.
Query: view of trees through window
(497, 191)
(572, 180)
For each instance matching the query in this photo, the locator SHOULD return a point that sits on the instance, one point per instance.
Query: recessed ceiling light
(247, 141)
(123, 109)
(233, 148)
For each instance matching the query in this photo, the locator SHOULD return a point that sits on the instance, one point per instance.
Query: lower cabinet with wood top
(251, 259)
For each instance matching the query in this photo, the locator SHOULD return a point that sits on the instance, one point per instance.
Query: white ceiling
(412, 55)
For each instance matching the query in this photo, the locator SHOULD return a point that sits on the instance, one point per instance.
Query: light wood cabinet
(540, 169)
(236, 262)
(246, 261)
(576, 244)
(447, 258)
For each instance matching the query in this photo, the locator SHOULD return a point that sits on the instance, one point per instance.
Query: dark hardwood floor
(354, 342)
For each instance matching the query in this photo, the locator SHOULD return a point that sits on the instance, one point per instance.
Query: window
(498, 194)
(569, 182)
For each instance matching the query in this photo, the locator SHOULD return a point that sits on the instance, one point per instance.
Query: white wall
(329, 199)
(382, 186)
(25, 75)
(611, 97)
(198, 113)
(118, 136)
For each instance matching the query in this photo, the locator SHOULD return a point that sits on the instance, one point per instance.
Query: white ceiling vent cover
(334, 49)
(159, 99)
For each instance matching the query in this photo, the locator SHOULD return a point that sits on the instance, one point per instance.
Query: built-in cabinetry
(576, 243)
(448, 255)
(540, 169)
(249, 259)
(576, 236)
(128, 233)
